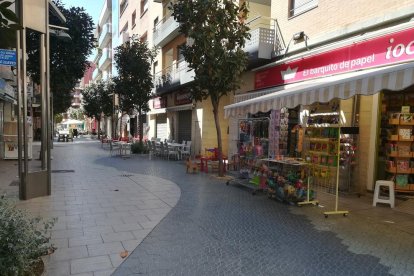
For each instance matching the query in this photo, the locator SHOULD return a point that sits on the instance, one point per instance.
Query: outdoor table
(178, 147)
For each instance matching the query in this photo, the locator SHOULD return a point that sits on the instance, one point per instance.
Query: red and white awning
(343, 86)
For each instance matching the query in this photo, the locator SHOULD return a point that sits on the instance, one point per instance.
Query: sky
(92, 7)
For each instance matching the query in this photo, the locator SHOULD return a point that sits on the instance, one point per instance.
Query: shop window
(297, 7)
(133, 19)
(144, 6)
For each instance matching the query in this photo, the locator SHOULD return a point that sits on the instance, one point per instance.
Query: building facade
(350, 66)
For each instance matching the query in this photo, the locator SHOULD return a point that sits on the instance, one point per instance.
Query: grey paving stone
(62, 254)
(105, 248)
(90, 264)
(118, 236)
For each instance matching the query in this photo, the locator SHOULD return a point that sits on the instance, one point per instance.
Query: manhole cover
(63, 171)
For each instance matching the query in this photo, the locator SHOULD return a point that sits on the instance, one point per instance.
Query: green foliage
(139, 147)
(97, 99)
(77, 113)
(58, 118)
(218, 33)
(8, 25)
(23, 239)
(68, 58)
(133, 60)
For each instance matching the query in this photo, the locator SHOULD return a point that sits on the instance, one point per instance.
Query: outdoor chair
(186, 150)
(174, 152)
(114, 148)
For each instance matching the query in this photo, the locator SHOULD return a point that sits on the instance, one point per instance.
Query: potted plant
(23, 240)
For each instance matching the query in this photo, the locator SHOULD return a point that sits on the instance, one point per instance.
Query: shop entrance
(396, 144)
(184, 125)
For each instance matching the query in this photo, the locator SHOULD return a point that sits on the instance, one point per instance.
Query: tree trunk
(99, 129)
(140, 126)
(218, 130)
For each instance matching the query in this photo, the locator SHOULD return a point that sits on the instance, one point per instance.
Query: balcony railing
(173, 76)
(265, 41)
(105, 34)
(165, 31)
(97, 74)
(105, 59)
(97, 55)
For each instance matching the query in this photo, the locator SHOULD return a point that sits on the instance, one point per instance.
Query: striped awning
(343, 86)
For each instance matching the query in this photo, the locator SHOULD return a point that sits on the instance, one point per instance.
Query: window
(180, 55)
(122, 6)
(124, 29)
(143, 37)
(144, 6)
(133, 19)
(297, 7)
(155, 23)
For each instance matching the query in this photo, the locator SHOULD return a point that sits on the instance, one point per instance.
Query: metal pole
(43, 139)
(19, 104)
(49, 106)
(23, 120)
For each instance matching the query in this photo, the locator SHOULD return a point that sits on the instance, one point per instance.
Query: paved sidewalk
(214, 229)
(101, 211)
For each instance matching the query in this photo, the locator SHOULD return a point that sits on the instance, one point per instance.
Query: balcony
(105, 12)
(105, 59)
(165, 31)
(265, 42)
(172, 77)
(97, 56)
(97, 74)
(105, 36)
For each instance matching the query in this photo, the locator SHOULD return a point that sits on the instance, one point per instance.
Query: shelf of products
(399, 151)
(286, 179)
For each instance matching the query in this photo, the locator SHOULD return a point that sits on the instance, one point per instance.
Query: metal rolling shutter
(162, 126)
(184, 125)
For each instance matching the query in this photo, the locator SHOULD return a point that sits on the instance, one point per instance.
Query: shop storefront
(348, 106)
(181, 116)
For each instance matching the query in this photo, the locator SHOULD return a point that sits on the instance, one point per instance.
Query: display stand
(308, 199)
(336, 211)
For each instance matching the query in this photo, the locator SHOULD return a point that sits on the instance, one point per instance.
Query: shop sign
(159, 102)
(7, 57)
(182, 98)
(387, 49)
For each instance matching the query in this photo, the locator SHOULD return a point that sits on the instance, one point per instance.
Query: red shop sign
(182, 98)
(384, 50)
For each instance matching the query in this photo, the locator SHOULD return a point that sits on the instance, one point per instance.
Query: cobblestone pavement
(216, 229)
(223, 230)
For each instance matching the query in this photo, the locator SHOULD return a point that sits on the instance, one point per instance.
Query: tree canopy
(68, 58)
(8, 25)
(134, 83)
(97, 99)
(217, 34)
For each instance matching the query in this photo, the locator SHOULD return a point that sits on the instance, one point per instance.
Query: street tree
(133, 60)
(97, 99)
(217, 33)
(68, 57)
(8, 24)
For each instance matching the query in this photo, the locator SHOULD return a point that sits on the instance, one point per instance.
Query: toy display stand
(245, 178)
(308, 198)
(336, 211)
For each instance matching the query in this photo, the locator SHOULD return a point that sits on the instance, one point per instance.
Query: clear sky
(92, 7)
